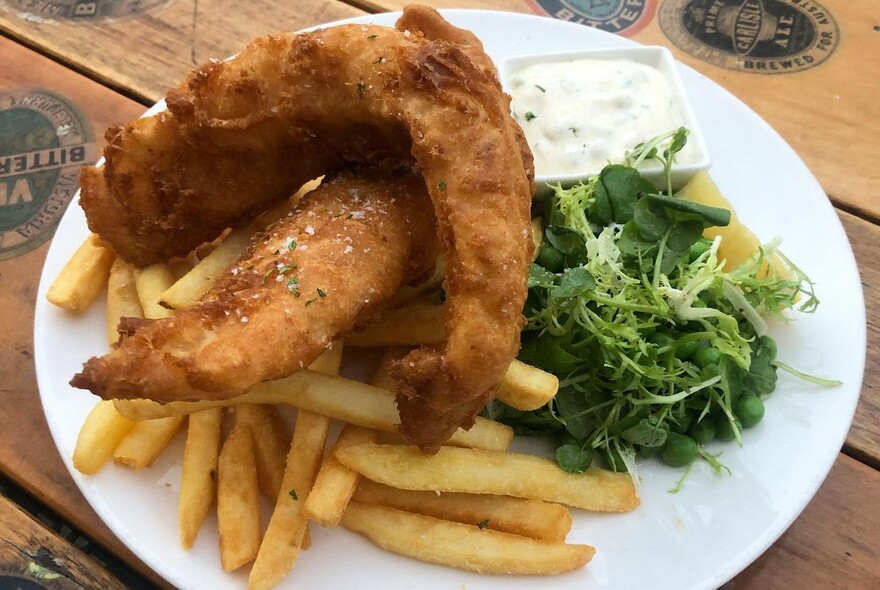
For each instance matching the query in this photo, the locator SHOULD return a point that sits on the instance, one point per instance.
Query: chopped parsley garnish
(292, 494)
(309, 302)
(286, 268)
(373, 36)
(361, 88)
(530, 115)
(291, 245)
(293, 285)
(349, 216)
(442, 185)
(483, 524)
(322, 293)
(541, 88)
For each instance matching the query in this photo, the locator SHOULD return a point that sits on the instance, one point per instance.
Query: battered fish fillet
(345, 94)
(429, 418)
(334, 263)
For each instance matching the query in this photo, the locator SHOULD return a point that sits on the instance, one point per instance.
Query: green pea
(679, 450)
(749, 409)
(686, 350)
(551, 259)
(724, 430)
(703, 431)
(707, 356)
(710, 371)
(698, 249)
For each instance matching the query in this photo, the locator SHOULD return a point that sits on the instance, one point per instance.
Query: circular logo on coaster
(758, 36)
(625, 17)
(44, 140)
(80, 10)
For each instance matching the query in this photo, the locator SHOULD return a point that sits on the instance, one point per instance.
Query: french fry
(151, 282)
(238, 500)
(180, 267)
(288, 528)
(330, 360)
(537, 236)
(524, 387)
(146, 441)
(122, 298)
(197, 483)
(382, 377)
(83, 277)
(280, 546)
(462, 546)
(184, 293)
(414, 324)
(519, 516)
(336, 397)
(97, 439)
(478, 471)
(271, 443)
(335, 482)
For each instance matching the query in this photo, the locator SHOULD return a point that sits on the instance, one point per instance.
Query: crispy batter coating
(332, 264)
(430, 24)
(292, 106)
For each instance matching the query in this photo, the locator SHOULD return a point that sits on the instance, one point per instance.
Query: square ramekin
(659, 58)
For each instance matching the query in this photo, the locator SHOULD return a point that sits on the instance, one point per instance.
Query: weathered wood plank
(152, 50)
(863, 440)
(31, 552)
(27, 453)
(828, 113)
(834, 542)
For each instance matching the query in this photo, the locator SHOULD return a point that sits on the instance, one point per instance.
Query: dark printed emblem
(9, 582)
(44, 140)
(625, 17)
(759, 36)
(79, 10)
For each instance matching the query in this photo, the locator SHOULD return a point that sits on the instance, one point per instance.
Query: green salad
(658, 349)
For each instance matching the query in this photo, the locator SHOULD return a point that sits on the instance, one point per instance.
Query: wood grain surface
(863, 440)
(833, 104)
(844, 553)
(146, 54)
(31, 552)
(27, 452)
(832, 545)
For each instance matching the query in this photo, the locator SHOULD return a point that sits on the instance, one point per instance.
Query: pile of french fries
(474, 505)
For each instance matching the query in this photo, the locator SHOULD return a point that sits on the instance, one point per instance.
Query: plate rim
(734, 565)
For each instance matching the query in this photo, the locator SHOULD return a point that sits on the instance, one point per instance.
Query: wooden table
(812, 71)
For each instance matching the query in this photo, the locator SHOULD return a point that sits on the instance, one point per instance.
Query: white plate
(698, 538)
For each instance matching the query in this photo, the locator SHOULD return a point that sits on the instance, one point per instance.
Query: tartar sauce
(578, 115)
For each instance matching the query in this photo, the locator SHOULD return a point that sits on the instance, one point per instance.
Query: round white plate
(697, 538)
